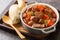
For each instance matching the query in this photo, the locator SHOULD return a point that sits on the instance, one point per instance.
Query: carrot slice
(28, 15)
(46, 16)
(50, 22)
(40, 7)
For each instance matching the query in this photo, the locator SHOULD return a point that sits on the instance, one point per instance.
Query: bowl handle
(46, 31)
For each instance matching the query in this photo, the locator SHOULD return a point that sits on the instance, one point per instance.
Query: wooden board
(24, 31)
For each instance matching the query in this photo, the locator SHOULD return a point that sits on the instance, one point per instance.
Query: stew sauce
(39, 16)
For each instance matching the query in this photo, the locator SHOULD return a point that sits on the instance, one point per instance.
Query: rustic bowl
(40, 30)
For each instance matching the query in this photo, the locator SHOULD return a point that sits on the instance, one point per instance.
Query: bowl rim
(53, 8)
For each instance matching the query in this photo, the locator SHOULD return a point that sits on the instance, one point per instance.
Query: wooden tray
(20, 27)
(25, 32)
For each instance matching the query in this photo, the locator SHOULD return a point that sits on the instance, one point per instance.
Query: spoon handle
(18, 32)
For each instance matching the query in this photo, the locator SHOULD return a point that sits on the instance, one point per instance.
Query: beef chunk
(38, 14)
(24, 15)
(34, 19)
(54, 15)
(41, 21)
(53, 19)
(30, 23)
(38, 25)
(34, 8)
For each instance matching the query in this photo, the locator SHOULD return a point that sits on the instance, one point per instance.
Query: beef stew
(39, 16)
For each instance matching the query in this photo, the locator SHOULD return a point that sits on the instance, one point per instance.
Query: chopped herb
(30, 12)
(45, 22)
(49, 14)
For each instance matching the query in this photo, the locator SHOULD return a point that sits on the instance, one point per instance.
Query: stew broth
(39, 16)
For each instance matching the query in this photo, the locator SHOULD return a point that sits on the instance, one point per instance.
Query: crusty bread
(14, 13)
(21, 4)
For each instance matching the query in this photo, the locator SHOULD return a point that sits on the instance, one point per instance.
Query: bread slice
(14, 13)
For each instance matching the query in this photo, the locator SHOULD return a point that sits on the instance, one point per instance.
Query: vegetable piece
(40, 7)
(46, 16)
(50, 16)
(28, 16)
(30, 12)
(48, 13)
(45, 22)
(50, 22)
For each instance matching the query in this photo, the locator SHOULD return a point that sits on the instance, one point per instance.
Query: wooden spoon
(7, 20)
